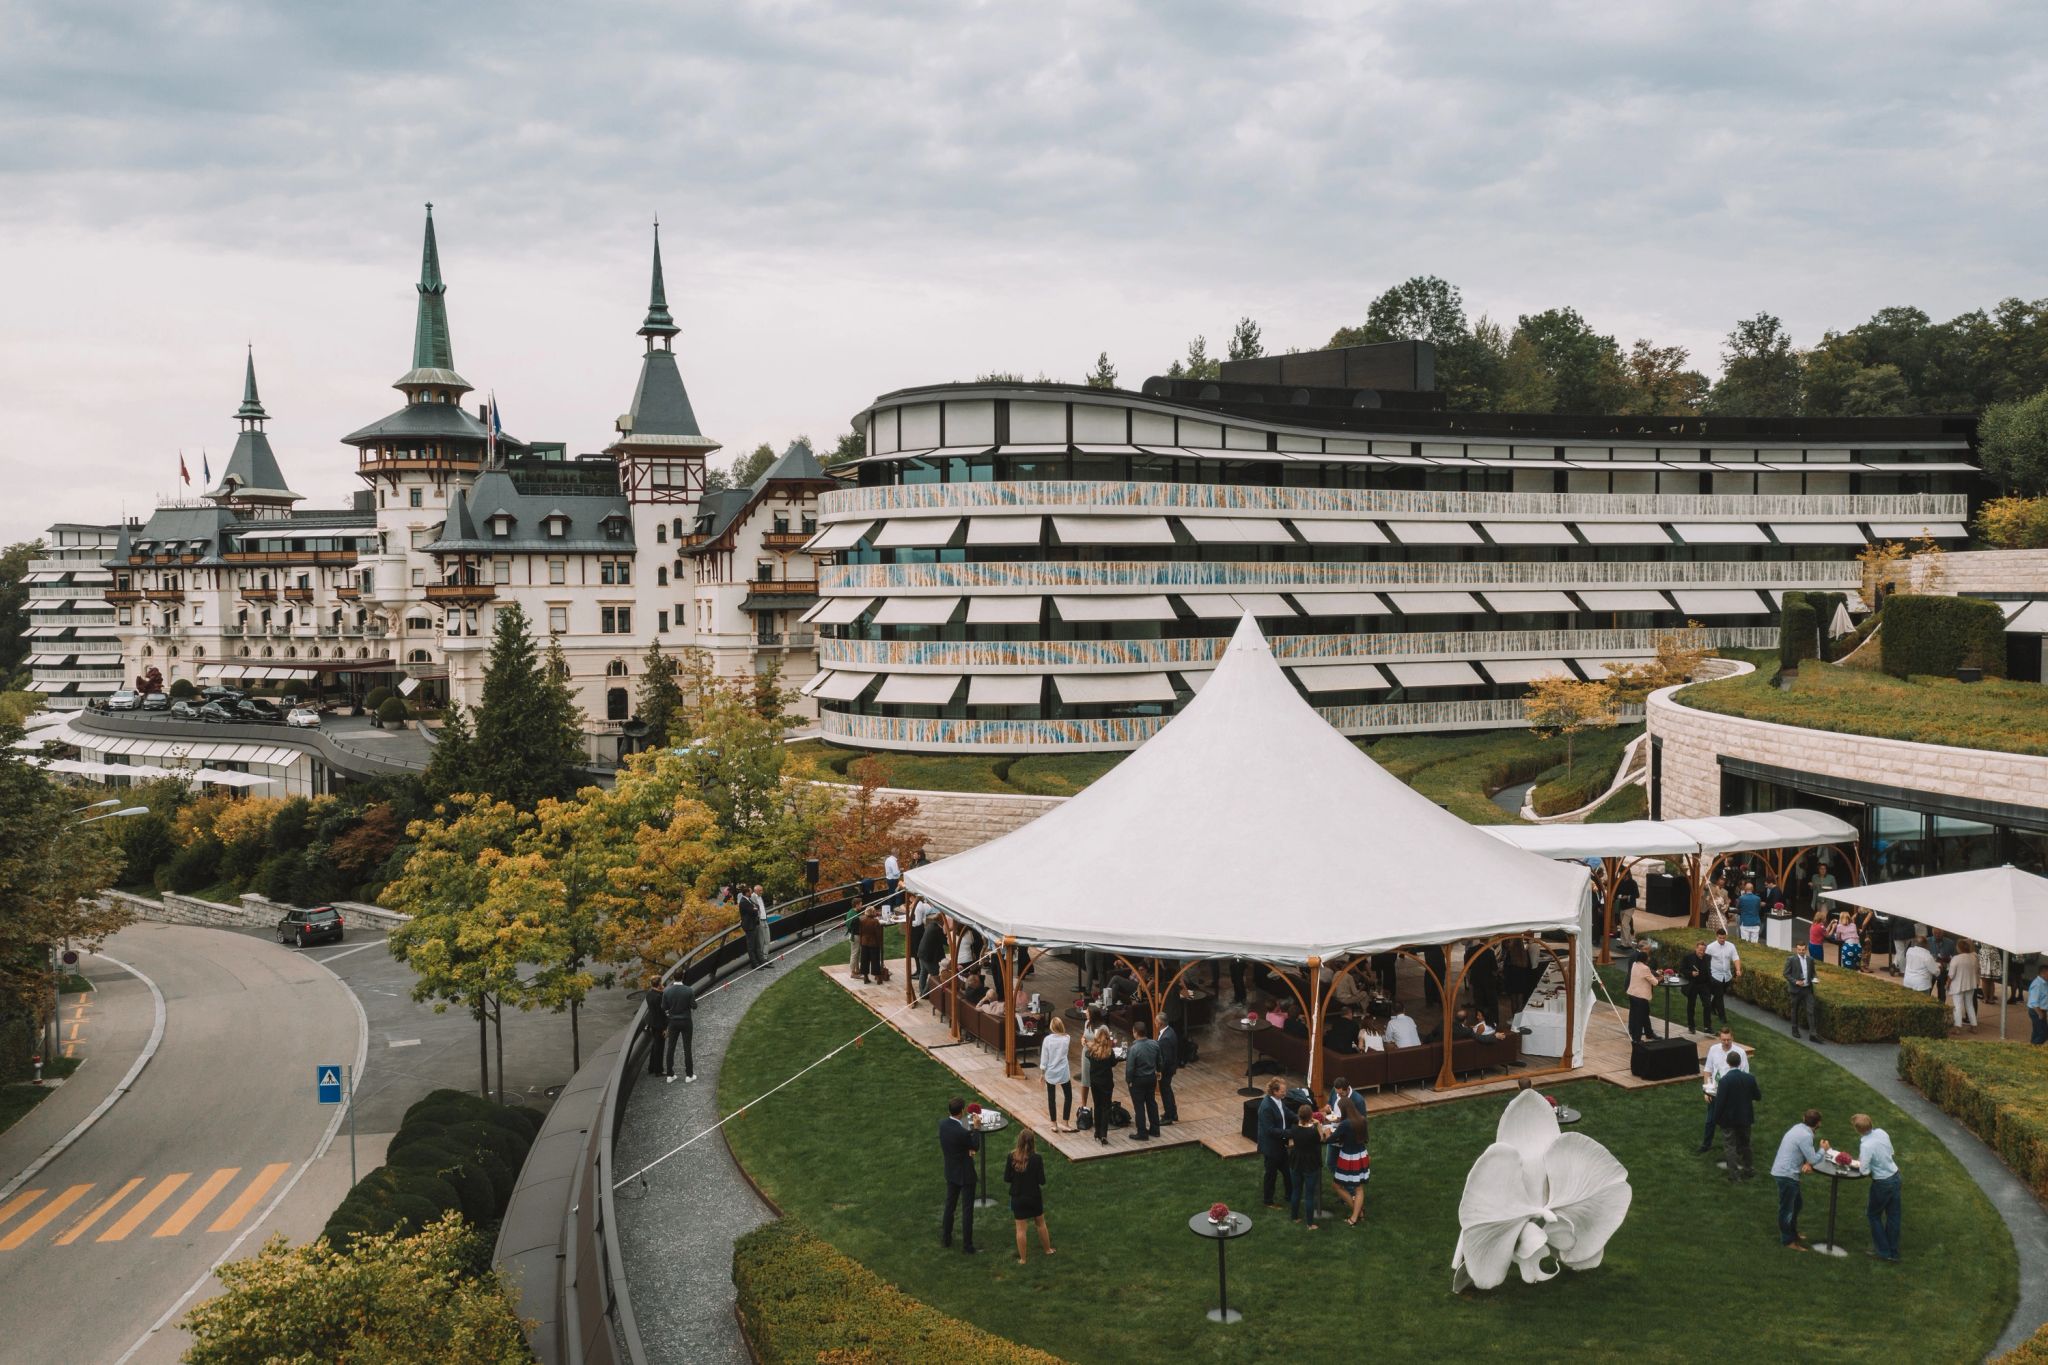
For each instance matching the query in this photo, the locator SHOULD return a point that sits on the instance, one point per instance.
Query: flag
(205, 469)
(497, 427)
(183, 472)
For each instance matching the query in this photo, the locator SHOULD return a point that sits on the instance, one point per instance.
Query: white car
(302, 717)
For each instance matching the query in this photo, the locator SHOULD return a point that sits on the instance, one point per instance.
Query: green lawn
(851, 1150)
(2003, 716)
(17, 1099)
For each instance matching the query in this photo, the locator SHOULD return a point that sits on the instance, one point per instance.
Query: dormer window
(501, 525)
(557, 525)
(615, 526)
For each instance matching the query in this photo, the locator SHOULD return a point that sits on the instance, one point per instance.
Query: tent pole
(1009, 1005)
(1315, 1027)
(1571, 996)
(1610, 887)
(909, 963)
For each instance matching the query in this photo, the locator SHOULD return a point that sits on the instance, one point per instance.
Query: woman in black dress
(1024, 1173)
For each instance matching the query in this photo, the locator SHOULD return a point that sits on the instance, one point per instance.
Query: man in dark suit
(1273, 1139)
(679, 1002)
(1169, 1062)
(656, 1025)
(1799, 982)
(1696, 976)
(958, 1142)
(1734, 1113)
(753, 908)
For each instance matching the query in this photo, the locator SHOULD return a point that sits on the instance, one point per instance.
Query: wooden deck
(1211, 1110)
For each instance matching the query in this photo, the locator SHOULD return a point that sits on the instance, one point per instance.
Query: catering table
(1836, 1176)
(1222, 1234)
(1248, 1026)
(989, 1121)
(1543, 1018)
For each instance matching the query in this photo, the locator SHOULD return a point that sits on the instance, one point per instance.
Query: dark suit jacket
(657, 1017)
(1273, 1125)
(679, 1000)
(1793, 968)
(1169, 1050)
(1696, 971)
(1295, 1027)
(958, 1143)
(1735, 1099)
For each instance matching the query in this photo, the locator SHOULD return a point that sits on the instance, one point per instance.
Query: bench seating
(1393, 1067)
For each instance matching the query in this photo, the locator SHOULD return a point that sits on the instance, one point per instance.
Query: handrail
(1176, 575)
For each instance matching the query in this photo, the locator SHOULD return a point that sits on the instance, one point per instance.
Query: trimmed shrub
(391, 712)
(376, 698)
(1798, 622)
(146, 846)
(1938, 635)
(182, 687)
(1855, 1007)
(1999, 1091)
(452, 1150)
(802, 1300)
(193, 868)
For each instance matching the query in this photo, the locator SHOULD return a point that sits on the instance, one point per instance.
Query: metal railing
(1174, 575)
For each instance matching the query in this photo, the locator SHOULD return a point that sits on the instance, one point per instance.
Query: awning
(1113, 530)
(215, 777)
(1237, 530)
(1717, 834)
(1922, 467)
(2001, 906)
(1528, 532)
(916, 611)
(1623, 599)
(843, 686)
(1120, 607)
(816, 607)
(1262, 603)
(1719, 602)
(1339, 677)
(1341, 603)
(1524, 670)
(1003, 611)
(1079, 689)
(1230, 606)
(838, 536)
(1447, 674)
(918, 689)
(1720, 532)
(43, 576)
(1433, 532)
(1434, 603)
(1816, 533)
(1519, 603)
(2031, 619)
(906, 533)
(1003, 530)
(1340, 532)
(1003, 689)
(840, 611)
(1623, 533)
(1913, 530)
(814, 684)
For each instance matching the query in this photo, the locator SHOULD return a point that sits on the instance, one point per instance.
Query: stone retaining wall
(1974, 571)
(172, 908)
(953, 822)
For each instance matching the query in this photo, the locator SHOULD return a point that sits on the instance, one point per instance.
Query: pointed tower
(432, 376)
(252, 484)
(660, 449)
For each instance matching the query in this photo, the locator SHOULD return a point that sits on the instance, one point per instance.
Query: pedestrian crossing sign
(327, 1083)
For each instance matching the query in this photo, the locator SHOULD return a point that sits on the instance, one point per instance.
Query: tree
(14, 622)
(1659, 384)
(1421, 308)
(1679, 656)
(750, 466)
(716, 480)
(529, 734)
(2013, 439)
(1759, 372)
(384, 1298)
(765, 824)
(450, 766)
(1198, 364)
(850, 447)
(2014, 523)
(1244, 341)
(661, 700)
(1103, 376)
(1558, 353)
(1559, 706)
(866, 827)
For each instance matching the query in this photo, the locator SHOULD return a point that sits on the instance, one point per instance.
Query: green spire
(659, 323)
(252, 406)
(431, 349)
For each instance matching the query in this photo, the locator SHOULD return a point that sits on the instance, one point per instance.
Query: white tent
(1248, 827)
(1650, 838)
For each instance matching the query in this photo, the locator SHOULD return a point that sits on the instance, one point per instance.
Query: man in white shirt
(1874, 1152)
(1717, 1064)
(920, 911)
(892, 873)
(1401, 1030)
(1724, 964)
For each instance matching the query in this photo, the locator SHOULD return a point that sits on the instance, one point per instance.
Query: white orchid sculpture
(1536, 1195)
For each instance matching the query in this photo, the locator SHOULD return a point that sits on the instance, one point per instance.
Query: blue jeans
(2040, 1029)
(1308, 1185)
(1790, 1201)
(1885, 1211)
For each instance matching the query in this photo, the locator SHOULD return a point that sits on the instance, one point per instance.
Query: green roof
(431, 348)
(252, 406)
(658, 323)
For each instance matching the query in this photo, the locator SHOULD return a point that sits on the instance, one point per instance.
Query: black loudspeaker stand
(1663, 1058)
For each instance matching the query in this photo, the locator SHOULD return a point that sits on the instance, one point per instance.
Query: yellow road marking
(74, 1031)
(68, 1049)
(132, 1219)
(201, 1197)
(72, 1233)
(246, 1200)
(18, 1203)
(44, 1216)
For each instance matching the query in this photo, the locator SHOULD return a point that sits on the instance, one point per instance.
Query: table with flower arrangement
(1221, 1226)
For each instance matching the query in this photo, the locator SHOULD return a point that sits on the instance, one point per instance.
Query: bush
(1855, 1007)
(278, 879)
(2032, 1351)
(182, 687)
(146, 846)
(452, 1151)
(194, 868)
(1938, 635)
(2014, 523)
(376, 699)
(391, 711)
(1999, 1091)
(802, 1300)
(1798, 622)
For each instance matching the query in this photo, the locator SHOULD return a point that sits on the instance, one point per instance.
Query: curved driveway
(108, 1236)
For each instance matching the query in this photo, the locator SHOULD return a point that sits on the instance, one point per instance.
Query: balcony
(348, 594)
(787, 587)
(298, 594)
(329, 632)
(124, 594)
(339, 557)
(164, 594)
(400, 462)
(460, 592)
(231, 631)
(1175, 575)
(786, 541)
(263, 595)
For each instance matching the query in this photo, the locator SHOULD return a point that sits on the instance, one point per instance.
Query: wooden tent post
(1571, 997)
(909, 963)
(1610, 889)
(1315, 1027)
(1009, 1005)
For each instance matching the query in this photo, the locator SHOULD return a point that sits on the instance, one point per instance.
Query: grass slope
(852, 1150)
(2005, 717)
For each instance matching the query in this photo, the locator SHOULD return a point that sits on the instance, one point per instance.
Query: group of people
(1299, 1141)
(1149, 1066)
(960, 1137)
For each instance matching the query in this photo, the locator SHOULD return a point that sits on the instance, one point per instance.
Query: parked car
(303, 927)
(156, 701)
(218, 710)
(226, 694)
(127, 699)
(302, 718)
(184, 709)
(256, 708)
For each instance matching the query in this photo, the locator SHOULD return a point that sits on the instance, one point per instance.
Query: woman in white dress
(1919, 967)
(1962, 984)
(1056, 1069)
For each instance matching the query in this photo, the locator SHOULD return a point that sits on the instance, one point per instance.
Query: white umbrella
(1841, 625)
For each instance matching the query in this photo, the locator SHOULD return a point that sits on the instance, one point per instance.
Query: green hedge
(1798, 621)
(451, 1151)
(1999, 1091)
(2032, 1351)
(802, 1300)
(1938, 635)
(1855, 1007)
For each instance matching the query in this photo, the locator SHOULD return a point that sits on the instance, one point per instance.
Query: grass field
(17, 1099)
(851, 1150)
(2006, 717)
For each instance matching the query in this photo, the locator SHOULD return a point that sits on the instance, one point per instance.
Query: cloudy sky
(858, 197)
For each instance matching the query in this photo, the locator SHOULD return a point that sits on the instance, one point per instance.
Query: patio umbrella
(1841, 625)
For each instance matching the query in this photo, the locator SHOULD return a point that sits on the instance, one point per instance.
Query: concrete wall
(1974, 571)
(953, 822)
(1694, 741)
(254, 911)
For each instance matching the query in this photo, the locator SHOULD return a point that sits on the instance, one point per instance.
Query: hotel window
(661, 576)
(615, 621)
(557, 527)
(660, 534)
(616, 572)
(660, 622)
(558, 620)
(558, 571)
(764, 571)
(416, 500)
(501, 527)
(676, 527)
(419, 578)
(501, 571)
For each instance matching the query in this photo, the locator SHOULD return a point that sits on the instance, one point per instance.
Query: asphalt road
(107, 1237)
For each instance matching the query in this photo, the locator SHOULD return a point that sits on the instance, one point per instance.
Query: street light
(114, 814)
(99, 805)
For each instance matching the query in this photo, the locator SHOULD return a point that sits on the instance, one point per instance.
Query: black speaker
(1250, 1125)
(1669, 895)
(811, 873)
(1662, 1059)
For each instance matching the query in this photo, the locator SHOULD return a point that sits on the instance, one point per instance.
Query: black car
(156, 701)
(226, 694)
(310, 926)
(256, 708)
(218, 710)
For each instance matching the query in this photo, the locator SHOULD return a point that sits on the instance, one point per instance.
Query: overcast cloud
(859, 198)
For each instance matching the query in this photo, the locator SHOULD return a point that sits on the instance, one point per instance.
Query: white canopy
(1241, 829)
(1649, 838)
(2001, 906)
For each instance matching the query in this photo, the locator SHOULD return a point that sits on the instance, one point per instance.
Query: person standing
(931, 950)
(1696, 976)
(1101, 1051)
(1724, 965)
(1352, 1165)
(868, 933)
(1141, 1078)
(2037, 1005)
(1304, 1166)
(892, 873)
(1056, 1069)
(1169, 1062)
(1799, 984)
(752, 912)
(1817, 937)
(1024, 1173)
(920, 912)
(1711, 1072)
(1799, 1151)
(1920, 967)
(1874, 1151)
(657, 1028)
(1749, 913)
(1272, 1132)
(1641, 982)
(1733, 1111)
(679, 1001)
(958, 1142)
(1963, 982)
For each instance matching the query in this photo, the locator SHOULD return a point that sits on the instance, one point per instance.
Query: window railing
(1127, 575)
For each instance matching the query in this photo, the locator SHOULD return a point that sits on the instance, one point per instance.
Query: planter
(1969, 675)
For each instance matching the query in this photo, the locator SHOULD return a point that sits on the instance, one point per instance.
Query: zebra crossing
(92, 1213)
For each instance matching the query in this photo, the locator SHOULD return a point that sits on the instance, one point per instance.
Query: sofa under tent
(1248, 827)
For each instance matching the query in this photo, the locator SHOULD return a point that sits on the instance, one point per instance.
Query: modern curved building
(1045, 567)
